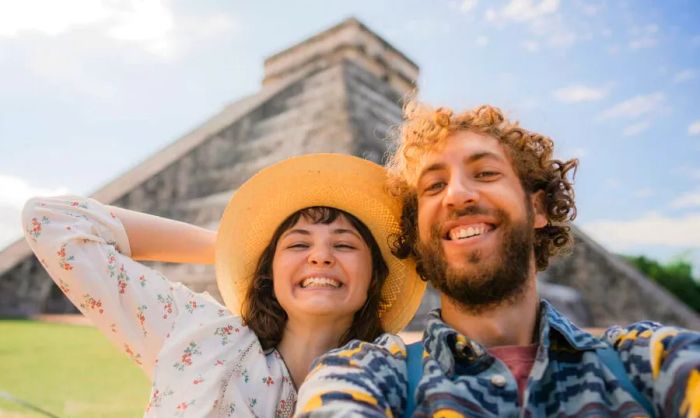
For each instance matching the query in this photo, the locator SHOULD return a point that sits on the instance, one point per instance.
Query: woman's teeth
(320, 282)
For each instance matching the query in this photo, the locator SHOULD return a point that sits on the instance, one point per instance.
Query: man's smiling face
(475, 222)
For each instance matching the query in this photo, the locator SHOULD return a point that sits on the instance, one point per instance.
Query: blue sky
(90, 88)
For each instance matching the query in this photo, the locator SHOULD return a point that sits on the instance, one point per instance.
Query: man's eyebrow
(483, 155)
(468, 160)
(431, 167)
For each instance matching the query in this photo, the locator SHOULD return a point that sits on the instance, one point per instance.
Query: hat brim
(349, 183)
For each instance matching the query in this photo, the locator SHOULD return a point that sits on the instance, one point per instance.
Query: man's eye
(434, 187)
(487, 174)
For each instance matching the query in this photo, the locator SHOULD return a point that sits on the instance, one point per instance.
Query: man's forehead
(464, 145)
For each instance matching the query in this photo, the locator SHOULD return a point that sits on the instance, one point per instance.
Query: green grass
(67, 370)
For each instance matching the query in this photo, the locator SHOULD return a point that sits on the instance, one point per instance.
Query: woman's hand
(154, 238)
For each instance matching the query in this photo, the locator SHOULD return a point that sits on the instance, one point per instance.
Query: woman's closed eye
(344, 246)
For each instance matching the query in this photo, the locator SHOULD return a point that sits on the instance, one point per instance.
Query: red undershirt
(519, 360)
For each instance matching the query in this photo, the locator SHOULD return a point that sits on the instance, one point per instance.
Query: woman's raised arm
(154, 238)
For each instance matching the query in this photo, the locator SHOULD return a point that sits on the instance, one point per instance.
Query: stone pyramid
(338, 91)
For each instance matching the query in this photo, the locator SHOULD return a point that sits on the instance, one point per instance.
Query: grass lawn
(67, 370)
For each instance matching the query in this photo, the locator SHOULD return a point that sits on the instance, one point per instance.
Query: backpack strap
(414, 368)
(612, 361)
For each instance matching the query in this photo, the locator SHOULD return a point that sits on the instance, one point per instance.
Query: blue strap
(612, 361)
(414, 368)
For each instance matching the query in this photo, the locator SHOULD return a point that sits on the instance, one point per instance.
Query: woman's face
(321, 269)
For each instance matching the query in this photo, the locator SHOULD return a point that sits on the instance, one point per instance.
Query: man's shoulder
(638, 333)
(387, 348)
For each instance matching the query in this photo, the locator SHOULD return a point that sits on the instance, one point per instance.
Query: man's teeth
(462, 232)
(320, 282)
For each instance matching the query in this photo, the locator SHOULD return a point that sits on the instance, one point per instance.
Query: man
(486, 205)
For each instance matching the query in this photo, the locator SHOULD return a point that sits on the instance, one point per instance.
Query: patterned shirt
(460, 378)
(202, 361)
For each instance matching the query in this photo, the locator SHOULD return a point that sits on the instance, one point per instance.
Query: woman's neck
(305, 339)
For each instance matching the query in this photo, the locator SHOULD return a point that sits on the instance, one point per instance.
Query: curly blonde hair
(426, 129)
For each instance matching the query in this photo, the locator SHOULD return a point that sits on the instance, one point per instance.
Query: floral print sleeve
(85, 250)
(202, 359)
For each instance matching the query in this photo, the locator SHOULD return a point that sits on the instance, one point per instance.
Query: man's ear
(539, 209)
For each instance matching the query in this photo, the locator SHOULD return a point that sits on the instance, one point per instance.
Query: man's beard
(487, 284)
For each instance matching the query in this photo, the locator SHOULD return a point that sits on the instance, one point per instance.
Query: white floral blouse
(202, 361)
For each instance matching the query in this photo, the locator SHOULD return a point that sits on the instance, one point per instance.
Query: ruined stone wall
(341, 109)
(614, 291)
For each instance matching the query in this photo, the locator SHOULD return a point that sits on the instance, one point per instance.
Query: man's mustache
(470, 211)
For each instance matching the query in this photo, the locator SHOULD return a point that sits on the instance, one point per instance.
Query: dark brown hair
(426, 129)
(264, 315)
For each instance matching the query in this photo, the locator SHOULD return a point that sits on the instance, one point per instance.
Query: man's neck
(507, 324)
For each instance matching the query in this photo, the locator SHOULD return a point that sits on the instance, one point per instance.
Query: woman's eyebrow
(296, 231)
(339, 231)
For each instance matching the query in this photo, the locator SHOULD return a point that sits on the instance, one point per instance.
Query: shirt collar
(576, 338)
(444, 342)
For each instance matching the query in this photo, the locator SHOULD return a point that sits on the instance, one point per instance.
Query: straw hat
(352, 184)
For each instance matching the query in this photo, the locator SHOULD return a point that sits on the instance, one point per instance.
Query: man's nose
(321, 256)
(460, 193)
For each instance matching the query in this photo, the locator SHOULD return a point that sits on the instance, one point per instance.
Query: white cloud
(490, 15)
(694, 128)
(560, 36)
(644, 36)
(49, 17)
(528, 10)
(643, 193)
(579, 93)
(635, 107)
(687, 200)
(636, 128)
(14, 192)
(687, 171)
(481, 40)
(530, 45)
(149, 24)
(468, 5)
(567, 152)
(612, 183)
(640, 43)
(685, 75)
(589, 9)
(651, 229)
(542, 19)
(64, 67)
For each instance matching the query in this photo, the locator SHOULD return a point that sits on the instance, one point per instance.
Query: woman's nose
(321, 256)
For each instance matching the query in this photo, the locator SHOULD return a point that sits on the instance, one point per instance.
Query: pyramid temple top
(349, 40)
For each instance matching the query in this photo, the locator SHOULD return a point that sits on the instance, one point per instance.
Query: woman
(301, 252)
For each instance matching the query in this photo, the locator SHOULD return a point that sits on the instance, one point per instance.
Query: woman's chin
(326, 310)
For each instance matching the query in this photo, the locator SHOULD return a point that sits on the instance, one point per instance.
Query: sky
(90, 88)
